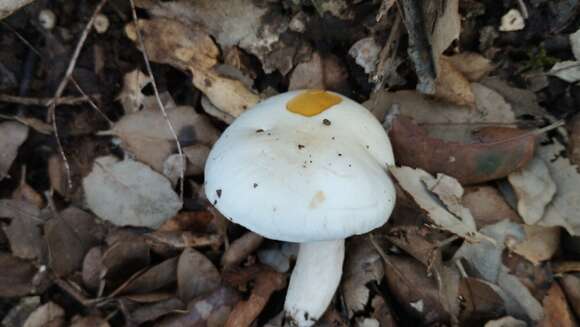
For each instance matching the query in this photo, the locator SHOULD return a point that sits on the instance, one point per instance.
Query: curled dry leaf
(188, 47)
(245, 312)
(196, 275)
(240, 249)
(12, 135)
(48, 314)
(413, 182)
(493, 154)
(209, 310)
(362, 266)
(16, 278)
(131, 96)
(487, 206)
(129, 193)
(452, 86)
(534, 188)
(540, 244)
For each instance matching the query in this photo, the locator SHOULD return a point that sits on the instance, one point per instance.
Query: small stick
(90, 101)
(158, 98)
(44, 102)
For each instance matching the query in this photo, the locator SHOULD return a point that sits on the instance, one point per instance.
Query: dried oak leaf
(240, 249)
(16, 277)
(129, 193)
(534, 189)
(47, 315)
(12, 135)
(196, 275)
(147, 135)
(493, 154)
(188, 47)
(415, 182)
(487, 206)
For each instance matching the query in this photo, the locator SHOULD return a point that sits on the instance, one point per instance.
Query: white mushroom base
(314, 280)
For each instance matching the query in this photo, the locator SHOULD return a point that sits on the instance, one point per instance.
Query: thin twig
(91, 102)
(22, 38)
(61, 87)
(158, 98)
(43, 102)
(523, 9)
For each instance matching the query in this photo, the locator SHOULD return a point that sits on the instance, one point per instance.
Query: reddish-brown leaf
(496, 152)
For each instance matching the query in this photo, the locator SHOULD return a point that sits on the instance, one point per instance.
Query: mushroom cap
(298, 178)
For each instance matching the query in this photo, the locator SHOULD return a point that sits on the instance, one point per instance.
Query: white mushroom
(308, 167)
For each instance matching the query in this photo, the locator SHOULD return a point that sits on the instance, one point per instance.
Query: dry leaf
(131, 96)
(417, 293)
(571, 286)
(472, 65)
(7, 7)
(556, 309)
(245, 312)
(540, 244)
(490, 107)
(278, 256)
(47, 315)
(488, 206)
(564, 210)
(568, 71)
(25, 192)
(196, 155)
(363, 265)
(150, 312)
(413, 182)
(507, 321)
(534, 188)
(512, 21)
(92, 268)
(209, 310)
(187, 47)
(240, 249)
(575, 44)
(129, 193)
(12, 135)
(366, 54)
(124, 258)
(325, 72)
(493, 152)
(89, 321)
(480, 301)
(447, 28)
(19, 312)
(16, 277)
(452, 86)
(147, 135)
(153, 279)
(24, 231)
(196, 275)
(574, 141)
(196, 221)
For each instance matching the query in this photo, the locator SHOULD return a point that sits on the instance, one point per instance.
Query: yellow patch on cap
(311, 103)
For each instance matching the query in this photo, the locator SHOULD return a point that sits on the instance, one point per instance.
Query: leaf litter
(485, 227)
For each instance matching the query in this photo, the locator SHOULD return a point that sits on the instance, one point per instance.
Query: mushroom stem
(314, 280)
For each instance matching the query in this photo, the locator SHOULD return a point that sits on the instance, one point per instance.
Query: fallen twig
(44, 102)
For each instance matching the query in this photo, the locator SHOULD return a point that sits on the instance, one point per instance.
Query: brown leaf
(196, 275)
(156, 310)
(324, 72)
(418, 294)
(180, 240)
(209, 310)
(146, 134)
(556, 309)
(488, 206)
(196, 221)
(480, 302)
(16, 277)
(240, 249)
(452, 86)
(92, 268)
(125, 257)
(540, 244)
(245, 312)
(574, 144)
(47, 315)
(89, 321)
(24, 232)
(25, 192)
(12, 135)
(155, 278)
(497, 152)
(571, 286)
